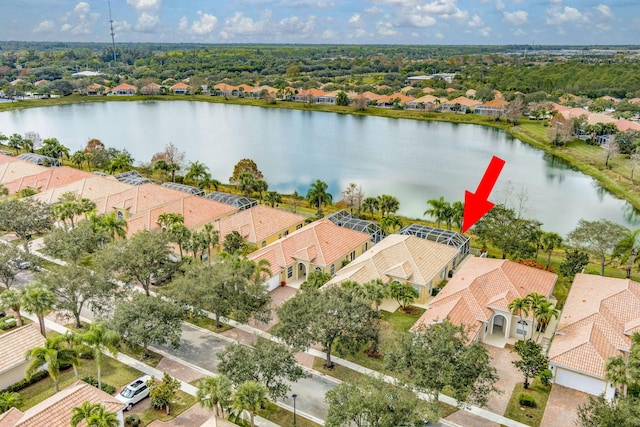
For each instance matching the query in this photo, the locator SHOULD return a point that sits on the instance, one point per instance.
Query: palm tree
(53, 148)
(16, 142)
(211, 239)
(12, 298)
(458, 213)
(197, 172)
(550, 241)
(388, 204)
(403, 293)
(122, 162)
(214, 392)
(261, 271)
(543, 313)
(10, 399)
(100, 340)
(250, 396)
(627, 249)
(272, 198)
(111, 224)
(318, 195)
(52, 355)
(78, 158)
(616, 373)
(261, 186)
(246, 183)
(370, 204)
(390, 223)
(520, 307)
(38, 300)
(4, 191)
(376, 291)
(437, 209)
(94, 414)
(296, 198)
(168, 220)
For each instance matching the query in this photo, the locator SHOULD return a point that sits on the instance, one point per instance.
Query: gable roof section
(406, 257)
(49, 178)
(139, 198)
(14, 345)
(56, 410)
(180, 85)
(496, 103)
(14, 169)
(321, 242)
(463, 100)
(125, 87)
(599, 317)
(485, 284)
(93, 188)
(195, 210)
(258, 223)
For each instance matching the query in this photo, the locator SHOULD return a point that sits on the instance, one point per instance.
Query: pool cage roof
(6, 153)
(239, 202)
(345, 219)
(132, 177)
(438, 235)
(194, 191)
(101, 173)
(39, 159)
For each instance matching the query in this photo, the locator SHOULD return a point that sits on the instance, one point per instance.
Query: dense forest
(584, 71)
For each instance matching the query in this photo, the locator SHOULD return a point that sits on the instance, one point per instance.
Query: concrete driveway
(562, 406)
(509, 376)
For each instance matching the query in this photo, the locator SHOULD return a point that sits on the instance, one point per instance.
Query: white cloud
(422, 21)
(297, 25)
(500, 5)
(475, 22)
(373, 10)
(518, 17)
(313, 4)
(559, 15)
(421, 13)
(241, 25)
(80, 21)
(328, 34)
(148, 18)
(386, 29)
(604, 11)
(183, 24)
(44, 27)
(119, 26)
(356, 20)
(485, 32)
(204, 25)
(360, 32)
(145, 5)
(439, 36)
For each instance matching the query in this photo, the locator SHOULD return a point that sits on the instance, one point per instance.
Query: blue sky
(326, 21)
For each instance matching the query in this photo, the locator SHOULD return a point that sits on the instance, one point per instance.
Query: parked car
(20, 263)
(134, 392)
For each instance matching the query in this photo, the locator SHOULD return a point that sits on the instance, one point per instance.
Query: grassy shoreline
(529, 132)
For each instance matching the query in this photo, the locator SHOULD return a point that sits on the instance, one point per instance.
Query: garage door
(580, 382)
(273, 283)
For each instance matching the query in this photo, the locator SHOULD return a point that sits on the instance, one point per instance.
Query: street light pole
(294, 409)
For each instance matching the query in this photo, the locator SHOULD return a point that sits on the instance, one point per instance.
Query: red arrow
(476, 205)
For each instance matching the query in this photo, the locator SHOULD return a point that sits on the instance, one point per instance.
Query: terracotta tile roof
(8, 159)
(258, 223)
(139, 198)
(625, 125)
(180, 85)
(634, 100)
(17, 169)
(11, 417)
(411, 258)
(94, 87)
(246, 87)
(93, 188)
(313, 92)
(497, 102)
(56, 410)
(484, 284)
(450, 89)
(196, 211)
(371, 96)
(15, 344)
(429, 98)
(40, 82)
(403, 98)
(321, 242)
(599, 317)
(225, 87)
(124, 86)
(49, 178)
(463, 100)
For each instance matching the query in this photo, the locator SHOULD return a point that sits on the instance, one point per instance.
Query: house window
(298, 227)
(333, 269)
(286, 233)
(318, 269)
(352, 255)
(264, 243)
(364, 248)
(522, 328)
(289, 272)
(120, 215)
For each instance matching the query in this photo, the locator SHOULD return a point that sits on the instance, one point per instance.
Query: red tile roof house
(494, 108)
(478, 296)
(180, 88)
(93, 188)
(124, 89)
(13, 347)
(12, 169)
(402, 258)
(49, 178)
(319, 246)
(56, 411)
(260, 225)
(599, 318)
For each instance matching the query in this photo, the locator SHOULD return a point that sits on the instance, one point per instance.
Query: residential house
(460, 105)
(494, 108)
(406, 259)
(180, 88)
(151, 89)
(391, 100)
(478, 296)
(124, 89)
(319, 246)
(315, 96)
(94, 89)
(13, 168)
(57, 410)
(260, 225)
(224, 89)
(137, 199)
(93, 188)
(14, 345)
(599, 318)
(49, 178)
(426, 102)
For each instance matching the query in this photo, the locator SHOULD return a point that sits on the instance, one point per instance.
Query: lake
(409, 159)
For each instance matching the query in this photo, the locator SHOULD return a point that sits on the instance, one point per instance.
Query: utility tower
(113, 35)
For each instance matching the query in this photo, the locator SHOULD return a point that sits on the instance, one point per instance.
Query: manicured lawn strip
(282, 417)
(181, 403)
(113, 372)
(209, 324)
(136, 352)
(529, 416)
(402, 322)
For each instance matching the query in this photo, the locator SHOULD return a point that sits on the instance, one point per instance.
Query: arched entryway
(302, 271)
(499, 324)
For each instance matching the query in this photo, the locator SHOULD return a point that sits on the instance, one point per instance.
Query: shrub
(132, 420)
(25, 383)
(545, 376)
(527, 400)
(107, 388)
(7, 323)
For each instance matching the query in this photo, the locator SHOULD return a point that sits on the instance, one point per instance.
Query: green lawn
(136, 352)
(181, 403)
(113, 372)
(529, 416)
(282, 417)
(210, 324)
